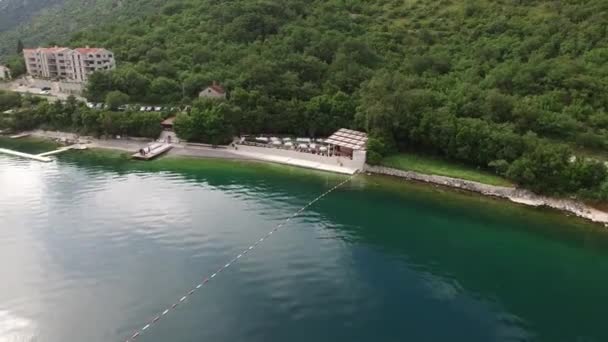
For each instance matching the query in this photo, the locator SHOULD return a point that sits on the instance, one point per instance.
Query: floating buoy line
(207, 279)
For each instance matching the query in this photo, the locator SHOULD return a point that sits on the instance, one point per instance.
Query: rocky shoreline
(515, 195)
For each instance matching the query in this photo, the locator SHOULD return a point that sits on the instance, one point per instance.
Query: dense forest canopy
(15, 12)
(44, 22)
(509, 85)
(537, 65)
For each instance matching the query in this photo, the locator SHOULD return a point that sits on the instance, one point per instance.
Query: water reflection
(109, 244)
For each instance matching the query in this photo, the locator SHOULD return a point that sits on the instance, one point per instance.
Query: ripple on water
(104, 249)
(14, 328)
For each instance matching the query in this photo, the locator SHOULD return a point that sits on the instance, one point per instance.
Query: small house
(214, 91)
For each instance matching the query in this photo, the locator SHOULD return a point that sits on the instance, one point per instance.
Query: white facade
(5, 73)
(214, 91)
(64, 63)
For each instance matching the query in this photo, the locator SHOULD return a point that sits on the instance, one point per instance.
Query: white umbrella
(302, 146)
(322, 148)
(313, 146)
(303, 140)
(289, 144)
(276, 142)
(264, 139)
(287, 139)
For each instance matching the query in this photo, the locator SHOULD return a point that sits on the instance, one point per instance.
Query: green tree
(207, 125)
(544, 168)
(19, 47)
(9, 100)
(98, 85)
(17, 66)
(115, 99)
(165, 90)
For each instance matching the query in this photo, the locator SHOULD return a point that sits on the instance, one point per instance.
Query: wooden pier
(19, 136)
(25, 155)
(152, 151)
(63, 149)
(42, 157)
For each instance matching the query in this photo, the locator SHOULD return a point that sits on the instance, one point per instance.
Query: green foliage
(378, 146)
(17, 65)
(13, 12)
(51, 22)
(442, 167)
(491, 84)
(9, 100)
(115, 99)
(73, 116)
(19, 47)
(551, 168)
(207, 123)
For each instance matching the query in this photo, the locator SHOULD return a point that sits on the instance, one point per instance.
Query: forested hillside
(14, 12)
(508, 85)
(54, 21)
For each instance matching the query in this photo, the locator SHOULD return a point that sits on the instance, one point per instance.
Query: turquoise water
(93, 245)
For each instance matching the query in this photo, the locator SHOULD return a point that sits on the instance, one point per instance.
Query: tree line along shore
(515, 89)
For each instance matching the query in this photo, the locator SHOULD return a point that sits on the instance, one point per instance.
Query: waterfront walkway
(298, 159)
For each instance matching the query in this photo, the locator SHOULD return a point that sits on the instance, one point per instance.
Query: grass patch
(442, 167)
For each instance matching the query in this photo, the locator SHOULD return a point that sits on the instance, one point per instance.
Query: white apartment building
(68, 64)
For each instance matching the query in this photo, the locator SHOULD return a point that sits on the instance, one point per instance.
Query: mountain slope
(14, 12)
(57, 20)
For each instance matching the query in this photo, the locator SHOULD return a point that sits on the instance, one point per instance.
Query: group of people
(144, 151)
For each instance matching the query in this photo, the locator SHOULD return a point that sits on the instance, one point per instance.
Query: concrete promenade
(272, 155)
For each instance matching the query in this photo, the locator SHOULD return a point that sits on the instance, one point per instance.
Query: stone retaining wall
(513, 194)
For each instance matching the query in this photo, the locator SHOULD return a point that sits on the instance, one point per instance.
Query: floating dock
(152, 151)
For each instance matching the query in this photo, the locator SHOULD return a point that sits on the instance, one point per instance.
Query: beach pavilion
(347, 143)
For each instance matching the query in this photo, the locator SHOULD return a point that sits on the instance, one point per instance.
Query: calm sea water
(92, 246)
